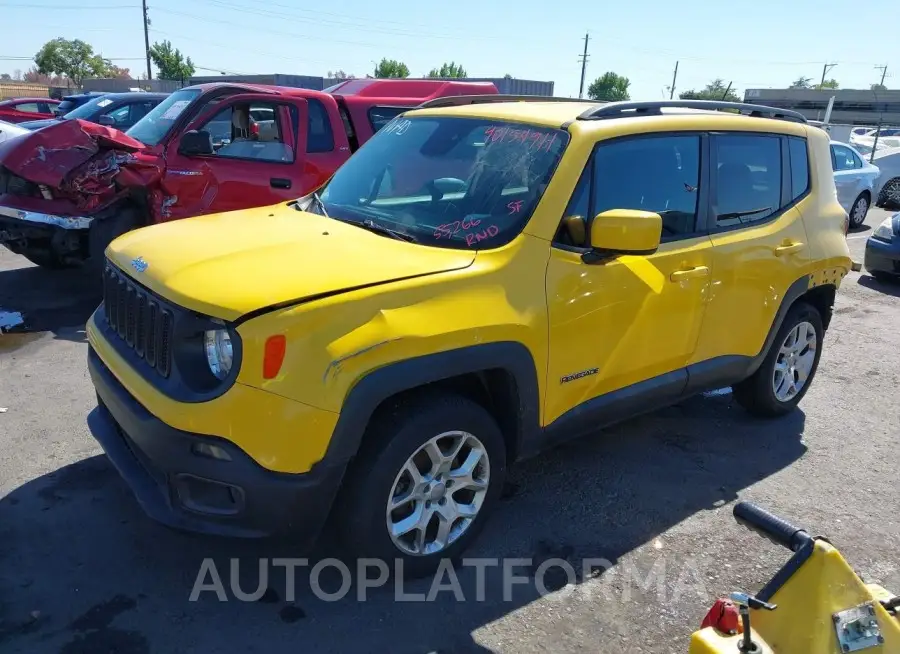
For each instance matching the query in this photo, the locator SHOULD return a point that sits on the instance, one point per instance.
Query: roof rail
(490, 98)
(654, 108)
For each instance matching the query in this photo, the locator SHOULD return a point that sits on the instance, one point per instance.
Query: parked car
(855, 180)
(882, 257)
(477, 283)
(119, 110)
(70, 102)
(204, 149)
(19, 110)
(9, 130)
(888, 191)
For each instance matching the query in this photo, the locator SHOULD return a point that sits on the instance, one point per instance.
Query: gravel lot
(82, 570)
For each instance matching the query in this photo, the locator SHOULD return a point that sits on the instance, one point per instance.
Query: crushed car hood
(231, 264)
(84, 164)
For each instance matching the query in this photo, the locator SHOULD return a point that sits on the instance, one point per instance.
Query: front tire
(104, 231)
(859, 210)
(788, 368)
(45, 259)
(421, 488)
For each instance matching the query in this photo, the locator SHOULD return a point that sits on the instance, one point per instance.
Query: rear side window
(844, 158)
(319, 136)
(28, 107)
(659, 174)
(381, 116)
(799, 168)
(748, 178)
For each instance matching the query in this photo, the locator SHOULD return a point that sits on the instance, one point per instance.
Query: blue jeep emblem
(139, 264)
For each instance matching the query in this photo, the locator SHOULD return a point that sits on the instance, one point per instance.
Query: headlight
(885, 231)
(219, 353)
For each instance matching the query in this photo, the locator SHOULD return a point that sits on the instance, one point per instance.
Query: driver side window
(659, 174)
(250, 131)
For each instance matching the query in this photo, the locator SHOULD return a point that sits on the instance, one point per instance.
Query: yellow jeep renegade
(485, 278)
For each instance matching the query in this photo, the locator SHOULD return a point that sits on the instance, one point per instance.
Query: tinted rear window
(799, 167)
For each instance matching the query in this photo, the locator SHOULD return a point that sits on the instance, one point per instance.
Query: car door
(848, 177)
(624, 329)
(759, 243)
(252, 164)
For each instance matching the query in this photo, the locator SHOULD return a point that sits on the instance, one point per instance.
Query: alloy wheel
(795, 362)
(438, 493)
(860, 209)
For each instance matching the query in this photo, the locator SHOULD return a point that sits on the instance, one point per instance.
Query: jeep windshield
(468, 183)
(153, 128)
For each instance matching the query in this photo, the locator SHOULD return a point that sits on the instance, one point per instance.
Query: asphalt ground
(82, 570)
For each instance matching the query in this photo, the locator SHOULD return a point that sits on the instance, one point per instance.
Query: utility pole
(674, 77)
(825, 70)
(727, 91)
(883, 73)
(584, 59)
(147, 40)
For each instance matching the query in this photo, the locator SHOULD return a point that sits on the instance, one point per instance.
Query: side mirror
(195, 142)
(623, 231)
(107, 120)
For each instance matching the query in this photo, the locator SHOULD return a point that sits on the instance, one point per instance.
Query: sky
(758, 44)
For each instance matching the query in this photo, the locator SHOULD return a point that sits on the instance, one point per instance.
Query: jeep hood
(228, 265)
(83, 165)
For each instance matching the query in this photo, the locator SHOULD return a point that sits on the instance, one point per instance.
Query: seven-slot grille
(139, 319)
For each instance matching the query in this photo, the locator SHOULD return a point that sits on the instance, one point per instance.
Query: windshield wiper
(317, 200)
(372, 226)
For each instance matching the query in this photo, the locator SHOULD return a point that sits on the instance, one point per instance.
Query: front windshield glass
(468, 183)
(85, 111)
(152, 128)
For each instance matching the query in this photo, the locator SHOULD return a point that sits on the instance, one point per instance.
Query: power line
(68, 7)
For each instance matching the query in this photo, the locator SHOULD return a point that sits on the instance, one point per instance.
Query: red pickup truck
(66, 191)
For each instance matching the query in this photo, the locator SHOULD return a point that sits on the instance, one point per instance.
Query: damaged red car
(66, 191)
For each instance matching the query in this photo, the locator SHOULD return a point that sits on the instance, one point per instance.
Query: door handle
(783, 250)
(691, 273)
(279, 182)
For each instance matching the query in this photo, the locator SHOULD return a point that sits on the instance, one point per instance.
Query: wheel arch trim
(371, 390)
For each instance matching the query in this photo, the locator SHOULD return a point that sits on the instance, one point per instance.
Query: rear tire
(889, 197)
(768, 391)
(859, 210)
(405, 435)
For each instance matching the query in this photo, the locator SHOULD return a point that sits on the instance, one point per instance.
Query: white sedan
(8, 131)
(888, 195)
(855, 180)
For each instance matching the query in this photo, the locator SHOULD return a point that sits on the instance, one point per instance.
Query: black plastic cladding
(163, 342)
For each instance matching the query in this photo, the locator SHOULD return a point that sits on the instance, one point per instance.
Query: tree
(73, 59)
(340, 75)
(829, 84)
(802, 83)
(609, 87)
(879, 87)
(715, 90)
(5, 76)
(17, 74)
(170, 63)
(391, 69)
(451, 70)
(118, 73)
